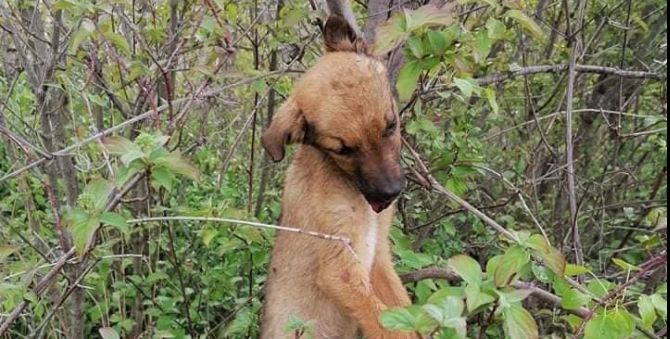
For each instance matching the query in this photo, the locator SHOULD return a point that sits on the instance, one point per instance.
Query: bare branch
(502, 77)
(570, 147)
(324, 236)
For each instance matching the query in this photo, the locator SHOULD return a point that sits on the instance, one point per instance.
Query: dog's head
(344, 107)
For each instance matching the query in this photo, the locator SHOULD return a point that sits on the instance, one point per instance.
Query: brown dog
(343, 181)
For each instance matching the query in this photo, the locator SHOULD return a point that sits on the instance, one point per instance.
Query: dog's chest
(369, 244)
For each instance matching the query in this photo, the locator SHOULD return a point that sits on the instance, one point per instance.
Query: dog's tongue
(379, 206)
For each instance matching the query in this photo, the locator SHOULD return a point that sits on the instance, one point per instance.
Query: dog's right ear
(287, 127)
(339, 36)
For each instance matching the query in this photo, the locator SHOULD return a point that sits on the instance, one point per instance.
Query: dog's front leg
(388, 287)
(386, 283)
(345, 280)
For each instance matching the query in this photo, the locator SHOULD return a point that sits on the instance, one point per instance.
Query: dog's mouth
(380, 206)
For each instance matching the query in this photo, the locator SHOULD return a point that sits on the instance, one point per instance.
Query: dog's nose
(390, 191)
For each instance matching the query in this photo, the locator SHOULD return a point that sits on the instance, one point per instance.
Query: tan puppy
(343, 181)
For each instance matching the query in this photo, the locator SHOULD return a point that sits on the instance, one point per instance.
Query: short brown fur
(343, 116)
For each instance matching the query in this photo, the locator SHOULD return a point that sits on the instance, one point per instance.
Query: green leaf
(260, 86)
(493, 265)
(600, 288)
(137, 70)
(543, 274)
(428, 16)
(574, 299)
(391, 35)
(123, 147)
(120, 146)
(109, 333)
(250, 234)
(517, 296)
(179, 164)
(575, 271)
(511, 265)
(661, 305)
(6, 251)
(446, 292)
(527, 23)
(492, 3)
(519, 323)
(415, 260)
(626, 266)
(550, 256)
(116, 221)
(482, 46)
(611, 325)
(83, 227)
(100, 191)
(493, 102)
(408, 80)
(647, 311)
(208, 235)
(81, 35)
(416, 47)
(295, 16)
(476, 299)
(459, 325)
(496, 29)
(446, 312)
(438, 43)
(467, 86)
(398, 319)
(119, 41)
(467, 268)
(63, 5)
(163, 177)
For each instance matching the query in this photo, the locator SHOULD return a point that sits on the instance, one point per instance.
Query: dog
(343, 181)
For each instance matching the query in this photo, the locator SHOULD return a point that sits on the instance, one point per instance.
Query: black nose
(386, 193)
(390, 191)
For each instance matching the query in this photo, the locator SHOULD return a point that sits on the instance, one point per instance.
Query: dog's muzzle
(382, 199)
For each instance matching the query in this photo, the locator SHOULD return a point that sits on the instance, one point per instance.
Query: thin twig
(569, 140)
(246, 223)
(555, 69)
(553, 115)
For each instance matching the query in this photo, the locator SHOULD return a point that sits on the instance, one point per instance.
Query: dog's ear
(287, 127)
(341, 37)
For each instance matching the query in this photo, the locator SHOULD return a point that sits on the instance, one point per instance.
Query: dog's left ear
(287, 127)
(339, 36)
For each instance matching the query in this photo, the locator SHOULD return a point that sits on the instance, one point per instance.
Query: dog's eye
(346, 151)
(390, 128)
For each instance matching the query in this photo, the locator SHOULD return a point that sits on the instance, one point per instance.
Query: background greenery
(504, 102)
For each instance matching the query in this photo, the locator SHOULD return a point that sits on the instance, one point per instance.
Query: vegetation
(136, 201)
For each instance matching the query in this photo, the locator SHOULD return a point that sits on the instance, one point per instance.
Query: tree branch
(324, 236)
(569, 140)
(502, 77)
